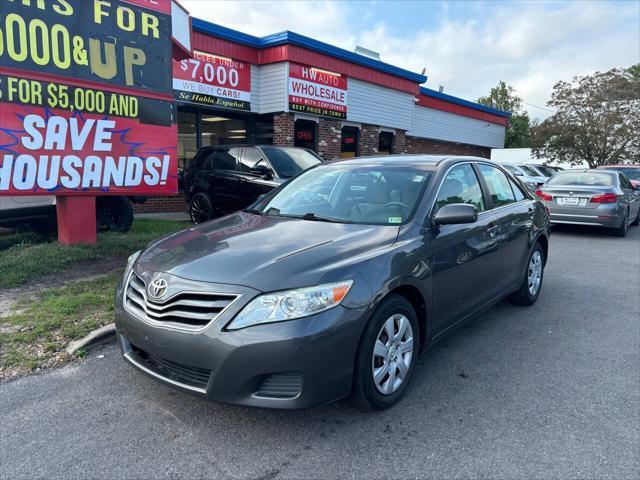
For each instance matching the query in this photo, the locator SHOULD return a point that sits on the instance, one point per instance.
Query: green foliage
(597, 120)
(503, 97)
(27, 256)
(53, 319)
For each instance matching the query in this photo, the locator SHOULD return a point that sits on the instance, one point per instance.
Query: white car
(527, 175)
(38, 213)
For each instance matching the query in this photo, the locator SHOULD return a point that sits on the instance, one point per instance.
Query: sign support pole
(76, 219)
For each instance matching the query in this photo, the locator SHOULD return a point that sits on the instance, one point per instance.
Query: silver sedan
(603, 198)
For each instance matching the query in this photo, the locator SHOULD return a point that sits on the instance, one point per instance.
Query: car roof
(249, 145)
(615, 165)
(412, 159)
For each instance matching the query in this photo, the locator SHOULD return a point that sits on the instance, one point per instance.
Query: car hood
(264, 252)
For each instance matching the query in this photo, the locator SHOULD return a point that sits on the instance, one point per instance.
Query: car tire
(399, 357)
(114, 214)
(621, 231)
(44, 228)
(200, 208)
(529, 289)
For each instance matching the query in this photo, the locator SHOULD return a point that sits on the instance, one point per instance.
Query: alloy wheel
(535, 273)
(392, 354)
(199, 210)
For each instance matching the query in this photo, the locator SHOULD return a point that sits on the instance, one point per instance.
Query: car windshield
(512, 169)
(289, 162)
(589, 178)
(630, 172)
(546, 171)
(529, 171)
(342, 193)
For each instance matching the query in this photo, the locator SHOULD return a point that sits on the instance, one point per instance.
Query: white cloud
(529, 45)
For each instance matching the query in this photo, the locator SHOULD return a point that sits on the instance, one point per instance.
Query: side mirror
(455, 213)
(636, 187)
(262, 171)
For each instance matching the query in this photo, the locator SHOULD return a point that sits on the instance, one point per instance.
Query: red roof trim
(437, 104)
(293, 53)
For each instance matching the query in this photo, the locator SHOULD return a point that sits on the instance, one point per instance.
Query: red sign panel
(208, 79)
(317, 92)
(54, 151)
(85, 98)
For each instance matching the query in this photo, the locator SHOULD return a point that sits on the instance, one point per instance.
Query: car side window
(226, 159)
(207, 164)
(517, 191)
(461, 185)
(250, 158)
(498, 184)
(624, 182)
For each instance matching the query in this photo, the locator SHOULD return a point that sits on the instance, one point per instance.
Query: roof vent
(367, 53)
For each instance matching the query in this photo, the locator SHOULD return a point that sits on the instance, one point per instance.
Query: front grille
(191, 310)
(184, 374)
(281, 385)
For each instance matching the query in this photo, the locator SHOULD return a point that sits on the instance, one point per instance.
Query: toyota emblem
(157, 288)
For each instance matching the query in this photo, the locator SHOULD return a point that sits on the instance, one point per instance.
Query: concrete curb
(100, 334)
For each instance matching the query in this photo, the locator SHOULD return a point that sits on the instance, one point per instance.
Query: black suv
(228, 178)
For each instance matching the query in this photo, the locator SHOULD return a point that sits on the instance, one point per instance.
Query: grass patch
(48, 323)
(25, 256)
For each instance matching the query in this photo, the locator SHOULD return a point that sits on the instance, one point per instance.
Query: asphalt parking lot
(545, 392)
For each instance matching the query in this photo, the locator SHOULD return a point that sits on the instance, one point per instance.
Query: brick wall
(369, 140)
(175, 203)
(329, 136)
(400, 144)
(426, 145)
(283, 129)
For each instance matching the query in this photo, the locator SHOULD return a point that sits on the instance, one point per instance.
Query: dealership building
(288, 89)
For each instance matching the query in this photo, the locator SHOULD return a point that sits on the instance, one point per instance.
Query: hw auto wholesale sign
(208, 79)
(317, 92)
(85, 98)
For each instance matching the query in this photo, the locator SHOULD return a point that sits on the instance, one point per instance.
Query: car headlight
(130, 261)
(290, 304)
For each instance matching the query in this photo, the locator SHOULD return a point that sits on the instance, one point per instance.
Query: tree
(503, 97)
(597, 120)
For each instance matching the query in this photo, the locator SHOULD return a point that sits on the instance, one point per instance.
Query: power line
(541, 108)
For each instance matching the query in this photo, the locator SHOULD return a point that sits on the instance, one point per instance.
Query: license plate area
(571, 201)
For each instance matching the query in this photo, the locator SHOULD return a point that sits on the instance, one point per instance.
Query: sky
(466, 46)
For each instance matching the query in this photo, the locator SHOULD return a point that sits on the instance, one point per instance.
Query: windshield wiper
(254, 211)
(322, 218)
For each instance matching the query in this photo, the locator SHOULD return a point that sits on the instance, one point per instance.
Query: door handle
(531, 212)
(492, 231)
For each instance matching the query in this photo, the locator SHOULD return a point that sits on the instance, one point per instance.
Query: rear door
(513, 212)
(225, 179)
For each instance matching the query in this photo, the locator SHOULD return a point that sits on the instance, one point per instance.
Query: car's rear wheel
(531, 284)
(114, 214)
(200, 208)
(621, 231)
(387, 355)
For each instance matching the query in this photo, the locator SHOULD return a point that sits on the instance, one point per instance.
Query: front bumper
(295, 364)
(604, 215)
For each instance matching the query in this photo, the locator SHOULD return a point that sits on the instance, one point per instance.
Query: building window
(305, 134)
(349, 142)
(187, 138)
(217, 130)
(263, 132)
(385, 143)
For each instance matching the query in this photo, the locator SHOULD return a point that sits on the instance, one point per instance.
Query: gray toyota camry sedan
(333, 283)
